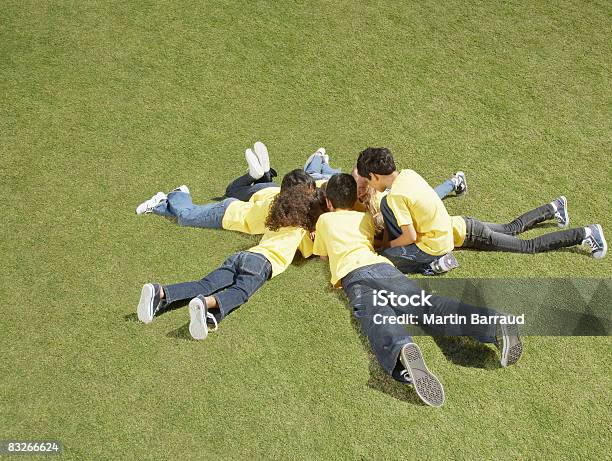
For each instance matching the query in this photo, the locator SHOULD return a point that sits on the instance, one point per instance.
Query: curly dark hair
(378, 160)
(291, 207)
(295, 177)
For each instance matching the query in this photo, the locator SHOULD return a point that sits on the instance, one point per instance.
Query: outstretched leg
(480, 236)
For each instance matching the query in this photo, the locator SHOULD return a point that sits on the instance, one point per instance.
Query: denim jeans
(244, 187)
(316, 169)
(443, 190)
(500, 237)
(410, 258)
(387, 339)
(179, 206)
(232, 284)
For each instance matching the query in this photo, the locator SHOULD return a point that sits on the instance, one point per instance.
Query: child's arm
(408, 237)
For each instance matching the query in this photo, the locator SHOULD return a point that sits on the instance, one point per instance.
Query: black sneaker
(561, 214)
(150, 302)
(597, 241)
(428, 387)
(509, 343)
(460, 183)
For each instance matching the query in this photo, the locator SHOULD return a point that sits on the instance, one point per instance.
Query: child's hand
(312, 235)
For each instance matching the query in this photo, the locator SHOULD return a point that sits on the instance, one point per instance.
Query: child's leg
(480, 236)
(245, 186)
(443, 190)
(313, 167)
(524, 222)
(386, 339)
(217, 280)
(180, 205)
(252, 271)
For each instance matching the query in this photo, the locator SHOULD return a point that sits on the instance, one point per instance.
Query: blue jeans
(232, 284)
(316, 169)
(388, 339)
(410, 258)
(245, 186)
(443, 190)
(179, 206)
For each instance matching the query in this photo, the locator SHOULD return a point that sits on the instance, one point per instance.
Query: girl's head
(296, 177)
(297, 206)
(290, 208)
(362, 184)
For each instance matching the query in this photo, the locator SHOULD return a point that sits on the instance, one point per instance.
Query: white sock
(554, 205)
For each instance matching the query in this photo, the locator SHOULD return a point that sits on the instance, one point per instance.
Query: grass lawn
(103, 104)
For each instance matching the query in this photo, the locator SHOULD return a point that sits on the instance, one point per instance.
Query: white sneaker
(148, 205)
(320, 151)
(198, 313)
(182, 188)
(255, 169)
(262, 155)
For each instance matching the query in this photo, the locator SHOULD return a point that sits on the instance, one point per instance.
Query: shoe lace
(210, 316)
(406, 376)
(590, 241)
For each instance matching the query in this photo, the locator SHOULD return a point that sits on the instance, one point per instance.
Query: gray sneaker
(444, 264)
(597, 241)
(428, 387)
(509, 343)
(561, 214)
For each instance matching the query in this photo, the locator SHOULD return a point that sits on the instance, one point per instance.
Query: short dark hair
(341, 190)
(295, 177)
(378, 160)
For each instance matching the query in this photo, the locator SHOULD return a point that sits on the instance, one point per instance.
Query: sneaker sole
(255, 169)
(565, 214)
(197, 325)
(513, 348)
(602, 253)
(145, 305)
(262, 155)
(427, 385)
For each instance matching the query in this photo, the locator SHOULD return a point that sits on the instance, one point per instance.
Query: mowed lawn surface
(102, 104)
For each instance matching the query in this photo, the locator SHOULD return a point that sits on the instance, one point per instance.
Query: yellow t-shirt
(279, 247)
(346, 238)
(250, 217)
(320, 182)
(414, 202)
(459, 230)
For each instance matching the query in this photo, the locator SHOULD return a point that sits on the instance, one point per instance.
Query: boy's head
(341, 191)
(374, 164)
(295, 177)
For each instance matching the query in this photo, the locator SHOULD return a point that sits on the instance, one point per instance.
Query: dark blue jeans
(409, 259)
(232, 284)
(245, 186)
(387, 339)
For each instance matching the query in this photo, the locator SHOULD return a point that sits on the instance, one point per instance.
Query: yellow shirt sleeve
(306, 246)
(319, 247)
(400, 209)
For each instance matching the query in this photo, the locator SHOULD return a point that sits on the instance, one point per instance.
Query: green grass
(102, 104)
